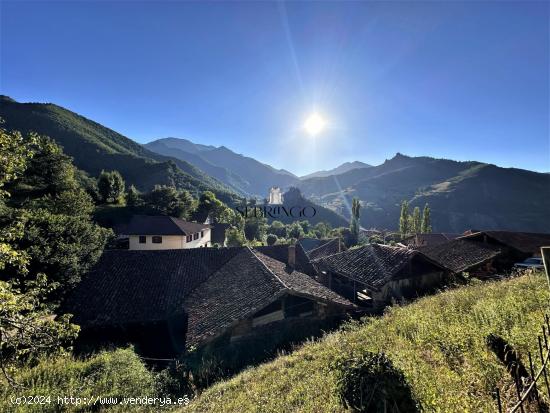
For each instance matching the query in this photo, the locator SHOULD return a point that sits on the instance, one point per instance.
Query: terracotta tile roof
(162, 225)
(460, 254)
(373, 264)
(247, 283)
(525, 242)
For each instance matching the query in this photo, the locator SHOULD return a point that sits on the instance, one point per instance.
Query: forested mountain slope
(462, 195)
(95, 147)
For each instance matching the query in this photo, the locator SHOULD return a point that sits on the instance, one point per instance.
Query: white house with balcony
(166, 233)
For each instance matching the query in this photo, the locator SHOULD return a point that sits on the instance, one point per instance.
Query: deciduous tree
(167, 200)
(416, 221)
(355, 224)
(404, 221)
(133, 197)
(234, 237)
(111, 187)
(426, 222)
(271, 239)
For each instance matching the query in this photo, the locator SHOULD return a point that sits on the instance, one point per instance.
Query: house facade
(166, 233)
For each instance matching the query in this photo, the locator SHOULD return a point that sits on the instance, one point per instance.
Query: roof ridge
(341, 252)
(323, 245)
(267, 268)
(174, 222)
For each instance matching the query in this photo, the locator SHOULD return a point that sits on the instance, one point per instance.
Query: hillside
(293, 197)
(462, 195)
(437, 342)
(191, 154)
(95, 147)
(345, 167)
(240, 172)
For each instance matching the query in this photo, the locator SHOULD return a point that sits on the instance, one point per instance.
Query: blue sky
(467, 81)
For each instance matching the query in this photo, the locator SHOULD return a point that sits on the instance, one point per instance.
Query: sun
(314, 124)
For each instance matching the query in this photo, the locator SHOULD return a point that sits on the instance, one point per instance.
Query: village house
(303, 252)
(165, 233)
(374, 275)
(461, 255)
(170, 302)
(515, 245)
(485, 254)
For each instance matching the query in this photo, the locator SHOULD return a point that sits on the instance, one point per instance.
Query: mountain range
(461, 195)
(345, 167)
(95, 148)
(243, 174)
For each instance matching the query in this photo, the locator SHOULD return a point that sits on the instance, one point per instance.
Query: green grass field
(438, 342)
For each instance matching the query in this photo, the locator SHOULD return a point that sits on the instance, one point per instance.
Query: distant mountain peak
(343, 168)
(399, 155)
(240, 172)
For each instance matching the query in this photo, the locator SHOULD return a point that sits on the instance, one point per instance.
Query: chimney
(292, 256)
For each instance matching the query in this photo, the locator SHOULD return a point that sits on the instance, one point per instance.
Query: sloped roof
(432, 238)
(162, 225)
(128, 286)
(526, 242)
(329, 247)
(461, 255)
(300, 283)
(280, 253)
(373, 264)
(214, 287)
(247, 283)
(311, 243)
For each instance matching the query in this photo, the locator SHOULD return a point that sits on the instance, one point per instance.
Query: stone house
(374, 275)
(173, 302)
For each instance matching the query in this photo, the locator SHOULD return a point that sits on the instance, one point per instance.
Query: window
(189, 238)
(196, 236)
(157, 240)
(142, 239)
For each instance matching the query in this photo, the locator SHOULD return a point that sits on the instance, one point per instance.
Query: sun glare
(314, 124)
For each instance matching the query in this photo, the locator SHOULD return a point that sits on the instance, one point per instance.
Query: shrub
(271, 239)
(370, 383)
(117, 374)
